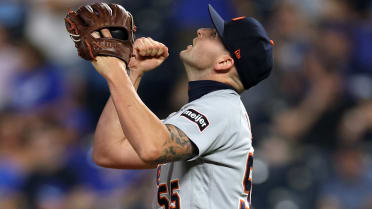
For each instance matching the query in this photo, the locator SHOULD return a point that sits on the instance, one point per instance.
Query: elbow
(150, 155)
(100, 159)
(153, 153)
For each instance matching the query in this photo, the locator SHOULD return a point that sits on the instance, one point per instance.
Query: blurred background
(311, 120)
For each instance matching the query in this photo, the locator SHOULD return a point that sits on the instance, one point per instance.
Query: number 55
(163, 201)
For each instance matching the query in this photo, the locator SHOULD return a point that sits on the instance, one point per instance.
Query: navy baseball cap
(248, 43)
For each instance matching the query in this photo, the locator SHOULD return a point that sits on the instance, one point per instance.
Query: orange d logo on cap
(238, 18)
(237, 53)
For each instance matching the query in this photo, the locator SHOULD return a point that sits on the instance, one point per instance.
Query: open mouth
(192, 44)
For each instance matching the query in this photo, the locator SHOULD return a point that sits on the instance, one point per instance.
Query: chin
(186, 51)
(183, 55)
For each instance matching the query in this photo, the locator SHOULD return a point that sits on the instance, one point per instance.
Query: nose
(205, 32)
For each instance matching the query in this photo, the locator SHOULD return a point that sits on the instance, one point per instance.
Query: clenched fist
(148, 54)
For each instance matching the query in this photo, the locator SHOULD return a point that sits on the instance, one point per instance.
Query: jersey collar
(198, 89)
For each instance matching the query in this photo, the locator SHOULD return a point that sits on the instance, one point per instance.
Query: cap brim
(217, 20)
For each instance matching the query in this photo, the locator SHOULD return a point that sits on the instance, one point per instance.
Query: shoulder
(223, 102)
(219, 98)
(219, 107)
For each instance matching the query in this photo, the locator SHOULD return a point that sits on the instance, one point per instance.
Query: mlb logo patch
(196, 117)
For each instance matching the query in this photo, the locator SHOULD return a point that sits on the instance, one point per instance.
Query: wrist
(135, 78)
(134, 75)
(117, 73)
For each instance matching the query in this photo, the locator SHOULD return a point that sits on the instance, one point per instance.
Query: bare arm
(153, 141)
(111, 148)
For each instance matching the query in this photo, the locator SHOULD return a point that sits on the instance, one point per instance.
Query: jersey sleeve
(202, 124)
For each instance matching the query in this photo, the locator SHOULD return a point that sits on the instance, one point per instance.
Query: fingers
(96, 34)
(149, 47)
(105, 33)
(165, 52)
(139, 47)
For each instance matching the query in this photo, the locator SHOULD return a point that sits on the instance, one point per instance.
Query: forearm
(108, 133)
(134, 120)
(108, 127)
(110, 147)
(145, 132)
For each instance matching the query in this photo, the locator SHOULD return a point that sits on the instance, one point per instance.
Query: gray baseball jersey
(219, 177)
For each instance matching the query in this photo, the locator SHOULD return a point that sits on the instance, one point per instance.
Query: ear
(224, 63)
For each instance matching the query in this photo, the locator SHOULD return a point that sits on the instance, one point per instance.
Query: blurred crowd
(311, 120)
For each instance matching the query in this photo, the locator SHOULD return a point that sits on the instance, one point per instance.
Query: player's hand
(148, 54)
(105, 64)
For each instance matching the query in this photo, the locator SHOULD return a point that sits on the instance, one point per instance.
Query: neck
(196, 75)
(200, 88)
(205, 74)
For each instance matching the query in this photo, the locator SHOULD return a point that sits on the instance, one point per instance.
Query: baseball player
(203, 153)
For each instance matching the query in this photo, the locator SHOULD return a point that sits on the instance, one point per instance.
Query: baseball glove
(92, 18)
